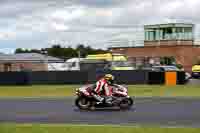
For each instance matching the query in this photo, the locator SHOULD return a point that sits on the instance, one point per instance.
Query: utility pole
(45, 53)
(79, 55)
(79, 59)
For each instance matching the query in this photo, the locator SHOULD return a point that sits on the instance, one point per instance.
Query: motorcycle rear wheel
(83, 103)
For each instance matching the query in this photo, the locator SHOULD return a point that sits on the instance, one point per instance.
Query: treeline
(63, 52)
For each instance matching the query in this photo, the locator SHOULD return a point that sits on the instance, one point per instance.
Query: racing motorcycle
(120, 98)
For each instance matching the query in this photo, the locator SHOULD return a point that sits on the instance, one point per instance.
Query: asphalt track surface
(194, 82)
(152, 110)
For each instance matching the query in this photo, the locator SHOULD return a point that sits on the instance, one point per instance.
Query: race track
(194, 82)
(153, 111)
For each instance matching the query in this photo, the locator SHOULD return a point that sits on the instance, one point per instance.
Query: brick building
(166, 40)
(26, 62)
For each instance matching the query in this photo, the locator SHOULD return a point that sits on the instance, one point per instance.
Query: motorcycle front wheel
(126, 103)
(83, 103)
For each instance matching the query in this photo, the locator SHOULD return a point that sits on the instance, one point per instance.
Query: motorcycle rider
(104, 85)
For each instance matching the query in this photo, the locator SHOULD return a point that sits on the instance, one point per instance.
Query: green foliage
(140, 67)
(20, 50)
(179, 66)
(63, 52)
(167, 60)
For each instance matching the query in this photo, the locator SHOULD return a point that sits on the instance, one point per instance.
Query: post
(79, 55)
(45, 53)
(79, 59)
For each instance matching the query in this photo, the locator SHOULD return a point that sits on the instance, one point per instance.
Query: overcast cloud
(40, 23)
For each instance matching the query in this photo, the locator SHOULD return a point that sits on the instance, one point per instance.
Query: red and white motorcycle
(120, 98)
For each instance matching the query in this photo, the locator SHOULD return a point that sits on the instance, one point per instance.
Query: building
(165, 40)
(26, 62)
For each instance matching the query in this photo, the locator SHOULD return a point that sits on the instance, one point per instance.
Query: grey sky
(39, 23)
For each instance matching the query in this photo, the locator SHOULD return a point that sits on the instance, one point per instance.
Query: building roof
(169, 25)
(28, 57)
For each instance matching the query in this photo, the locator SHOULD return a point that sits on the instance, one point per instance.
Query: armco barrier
(59, 77)
(181, 78)
(13, 78)
(84, 77)
(127, 77)
(156, 77)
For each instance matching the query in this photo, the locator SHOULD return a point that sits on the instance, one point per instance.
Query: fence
(83, 77)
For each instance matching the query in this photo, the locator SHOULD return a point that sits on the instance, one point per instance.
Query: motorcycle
(120, 98)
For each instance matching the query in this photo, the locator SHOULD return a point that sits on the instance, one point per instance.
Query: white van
(72, 64)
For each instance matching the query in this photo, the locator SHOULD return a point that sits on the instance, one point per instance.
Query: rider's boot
(98, 98)
(108, 101)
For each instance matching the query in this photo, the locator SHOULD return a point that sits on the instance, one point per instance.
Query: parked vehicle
(96, 61)
(72, 64)
(196, 71)
(115, 61)
(165, 68)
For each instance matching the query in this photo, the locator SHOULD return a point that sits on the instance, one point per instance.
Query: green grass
(38, 91)
(68, 90)
(47, 128)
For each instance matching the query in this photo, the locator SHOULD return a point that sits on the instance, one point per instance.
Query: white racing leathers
(102, 85)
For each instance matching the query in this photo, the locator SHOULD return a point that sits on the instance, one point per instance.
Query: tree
(56, 51)
(167, 60)
(19, 50)
(57, 46)
(70, 52)
(80, 48)
(61, 52)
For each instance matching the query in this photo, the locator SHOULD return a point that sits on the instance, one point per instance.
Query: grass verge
(68, 90)
(53, 128)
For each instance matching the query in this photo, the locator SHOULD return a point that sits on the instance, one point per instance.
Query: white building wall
(197, 34)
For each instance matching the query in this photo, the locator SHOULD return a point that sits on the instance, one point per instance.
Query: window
(179, 30)
(188, 33)
(171, 68)
(121, 64)
(7, 67)
(168, 33)
(150, 35)
(70, 64)
(157, 36)
(73, 64)
(168, 30)
(146, 35)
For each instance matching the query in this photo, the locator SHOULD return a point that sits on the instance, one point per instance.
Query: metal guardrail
(84, 77)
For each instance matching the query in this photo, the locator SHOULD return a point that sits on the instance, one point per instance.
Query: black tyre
(83, 103)
(126, 103)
